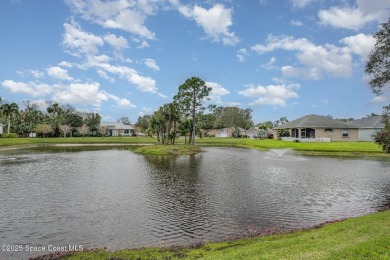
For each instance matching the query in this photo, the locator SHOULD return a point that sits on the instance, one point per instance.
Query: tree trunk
(9, 123)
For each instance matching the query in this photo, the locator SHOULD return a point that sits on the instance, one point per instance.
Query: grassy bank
(366, 237)
(332, 148)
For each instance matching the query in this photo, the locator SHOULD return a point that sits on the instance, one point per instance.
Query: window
(345, 133)
(328, 130)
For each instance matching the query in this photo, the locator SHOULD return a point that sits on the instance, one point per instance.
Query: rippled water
(118, 199)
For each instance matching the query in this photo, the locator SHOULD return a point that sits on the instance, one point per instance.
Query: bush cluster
(382, 138)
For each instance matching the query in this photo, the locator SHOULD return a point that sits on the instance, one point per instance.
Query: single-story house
(118, 129)
(315, 128)
(1, 128)
(368, 126)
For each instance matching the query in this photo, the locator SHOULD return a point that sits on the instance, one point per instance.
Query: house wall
(365, 135)
(1, 129)
(337, 136)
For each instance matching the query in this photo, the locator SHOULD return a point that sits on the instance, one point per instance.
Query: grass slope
(366, 237)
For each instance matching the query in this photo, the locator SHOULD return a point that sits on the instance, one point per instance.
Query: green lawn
(332, 148)
(366, 237)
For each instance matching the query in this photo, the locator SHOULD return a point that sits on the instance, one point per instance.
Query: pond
(118, 199)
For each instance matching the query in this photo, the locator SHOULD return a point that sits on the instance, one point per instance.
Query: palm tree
(8, 111)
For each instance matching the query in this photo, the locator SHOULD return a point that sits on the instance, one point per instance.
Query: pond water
(117, 199)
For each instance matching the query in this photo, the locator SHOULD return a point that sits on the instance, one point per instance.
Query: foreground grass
(366, 237)
(168, 149)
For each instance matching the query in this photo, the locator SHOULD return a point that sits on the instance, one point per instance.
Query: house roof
(116, 125)
(315, 121)
(368, 122)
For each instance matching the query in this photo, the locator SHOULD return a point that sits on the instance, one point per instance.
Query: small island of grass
(168, 150)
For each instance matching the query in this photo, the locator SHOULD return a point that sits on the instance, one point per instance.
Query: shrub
(10, 135)
(382, 138)
(283, 133)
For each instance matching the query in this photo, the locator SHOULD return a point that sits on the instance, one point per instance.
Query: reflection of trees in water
(178, 202)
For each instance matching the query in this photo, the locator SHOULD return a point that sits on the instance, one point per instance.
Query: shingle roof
(369, 122)
(116, 125)
(315, 121)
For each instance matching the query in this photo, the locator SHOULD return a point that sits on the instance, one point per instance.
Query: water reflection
(116, 198)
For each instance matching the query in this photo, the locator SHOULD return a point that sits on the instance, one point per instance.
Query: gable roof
(368, 122)
(315, 121)
(116, 125)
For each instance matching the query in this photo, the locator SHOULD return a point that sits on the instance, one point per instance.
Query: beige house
(314, 128)
(118, 129)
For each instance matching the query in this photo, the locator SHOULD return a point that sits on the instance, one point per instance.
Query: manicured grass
(366, 237)
(332, 148)
(179, 149)
(335, 148)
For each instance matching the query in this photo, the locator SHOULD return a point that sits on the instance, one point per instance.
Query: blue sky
(127, 57)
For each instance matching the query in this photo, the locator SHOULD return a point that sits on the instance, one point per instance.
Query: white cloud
(347, 18)
(65, 64)
(58, 73)
(129, 16)
(28, 88)
(35, 73)
(276, 95)
(296, 23)
(242, 54)
(77, 41)
(81, 93)
(144, 84)
(327, 59)
(301, 3)
(360, 44)
(104, 75)
(118, 43)
(269, 65)
(354, 18)
(217, 91)
(151, 64)
(214, 21)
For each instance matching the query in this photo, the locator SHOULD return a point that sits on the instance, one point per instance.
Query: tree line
(57, 120)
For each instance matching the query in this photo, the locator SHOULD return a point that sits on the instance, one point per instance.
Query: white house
(1, 128)
(368, 126)
(118, 129)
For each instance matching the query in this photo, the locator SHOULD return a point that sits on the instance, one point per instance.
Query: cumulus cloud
(151, 64)
(319, 60)
(360, 44)
(87, 93)
(144, 84)
(276, 95)
(78, 41)
(129, 16)
(32, 89)
(58, 73)
(214, 21)
(118, 43)
(355, 17)
(217, 91)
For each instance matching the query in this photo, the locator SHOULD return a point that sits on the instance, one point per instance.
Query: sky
(125, 58)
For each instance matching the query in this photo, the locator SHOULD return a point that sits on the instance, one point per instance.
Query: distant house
(1, 128)
(118, 129)
(314, 128)
(368, 126)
